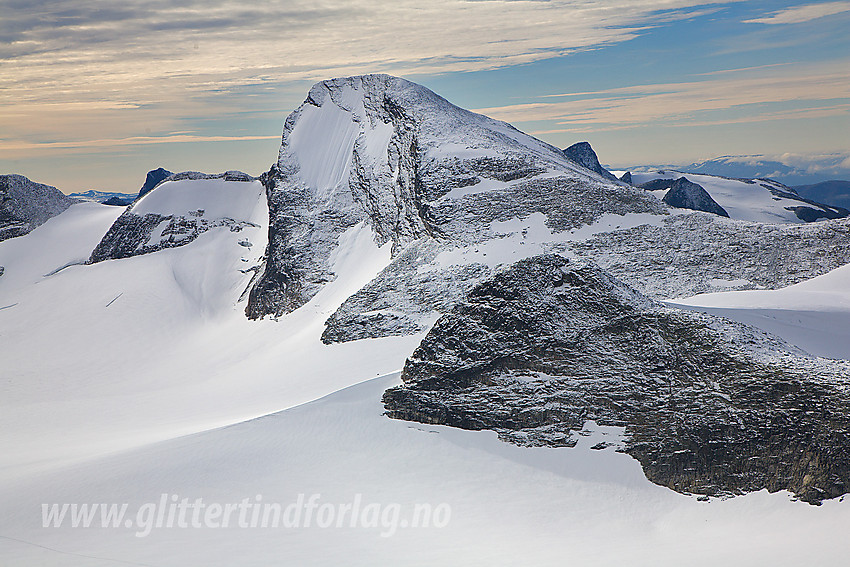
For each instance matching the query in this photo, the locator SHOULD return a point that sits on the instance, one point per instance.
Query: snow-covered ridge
(178, 210)
(813, 315)
(363, 110)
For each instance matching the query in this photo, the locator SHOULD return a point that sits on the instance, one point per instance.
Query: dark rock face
(657, 184)
(116, 202)
(834, 191)
(684, 194)
(26, 205)
(810, 214)
(583, 154)
(626, 177)
(544, 346)
(154, 178)
(133, 235)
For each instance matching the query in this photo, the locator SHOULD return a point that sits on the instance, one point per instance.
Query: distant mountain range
(105, 197)
(833, 191)
(790, 170)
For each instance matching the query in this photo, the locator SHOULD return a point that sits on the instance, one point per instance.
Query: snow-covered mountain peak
(757, 200)
(360, 114)
(415, 168)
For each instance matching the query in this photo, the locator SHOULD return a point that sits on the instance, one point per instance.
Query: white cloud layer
(800, 14)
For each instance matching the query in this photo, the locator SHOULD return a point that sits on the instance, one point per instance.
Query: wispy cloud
(71, 67)
(805, 91)
(132, 141)
(805, 13)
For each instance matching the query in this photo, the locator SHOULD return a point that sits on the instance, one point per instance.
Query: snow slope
(63, 240)
(188, 358)
(743, 200)
(813, 315)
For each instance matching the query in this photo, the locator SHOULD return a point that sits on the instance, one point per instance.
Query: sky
(95, 93)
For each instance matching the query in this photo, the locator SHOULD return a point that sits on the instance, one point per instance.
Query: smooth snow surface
(66, 239)
(212, 198)
(508, 505)
(813, 315)
(322, 143)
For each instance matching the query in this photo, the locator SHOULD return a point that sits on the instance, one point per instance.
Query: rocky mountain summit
(548, 344)
(25, 205)
(153, 178)
(422, 173)
(582, 153)
(460, 196)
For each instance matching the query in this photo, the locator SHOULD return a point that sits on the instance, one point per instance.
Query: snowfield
(154, 346)
(143, 378)
(813, 315)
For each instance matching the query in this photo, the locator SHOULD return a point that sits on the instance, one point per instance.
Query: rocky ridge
(687, 254)
(582, 153)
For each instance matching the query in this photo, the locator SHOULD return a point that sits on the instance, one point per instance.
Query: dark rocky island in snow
(684, 194)
(547, 345)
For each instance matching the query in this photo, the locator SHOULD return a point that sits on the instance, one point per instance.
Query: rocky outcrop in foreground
(546, 345)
